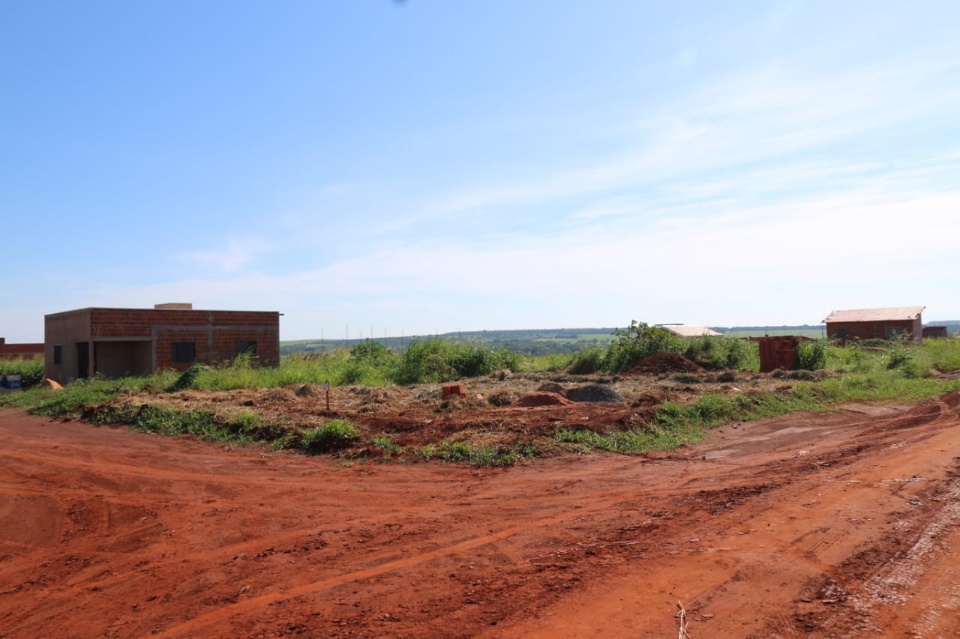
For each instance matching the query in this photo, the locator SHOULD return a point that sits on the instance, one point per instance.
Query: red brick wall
(873, 330)
(215, 334)
(778, 352)
(216, 345)
(19, 350)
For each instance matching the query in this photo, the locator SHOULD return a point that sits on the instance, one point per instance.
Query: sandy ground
(835, 525)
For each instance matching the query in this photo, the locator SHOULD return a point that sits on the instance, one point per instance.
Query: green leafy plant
(439, 361)
(717, 353)
(812, 356)
(29, 369)
(332, 436)
(586, 362)
(188, 378)
(636, 343)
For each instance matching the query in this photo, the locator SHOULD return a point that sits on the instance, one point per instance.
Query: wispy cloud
(761, 123)
(237, 253)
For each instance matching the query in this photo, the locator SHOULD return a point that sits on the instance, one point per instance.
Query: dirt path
(840, 525)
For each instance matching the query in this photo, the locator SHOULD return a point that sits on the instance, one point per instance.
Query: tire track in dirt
(190, 628)
(625, 529)
(726, 589)
(219, 616)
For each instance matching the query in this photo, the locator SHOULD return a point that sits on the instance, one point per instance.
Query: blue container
(13, 382)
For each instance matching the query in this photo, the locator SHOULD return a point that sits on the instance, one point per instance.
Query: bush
(713, 352)
(335, 435)
(354, 373)
(638, 342)
(370, 352)
(188, 378)
(439, 361)
(29, 369)
(812, 356)
(587, 361)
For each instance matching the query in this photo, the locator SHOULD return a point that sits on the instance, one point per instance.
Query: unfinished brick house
(16, 351)
(876, 323)
(115, 342)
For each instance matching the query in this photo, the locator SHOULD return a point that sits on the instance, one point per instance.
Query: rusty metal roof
(689, 330)
(893, 313)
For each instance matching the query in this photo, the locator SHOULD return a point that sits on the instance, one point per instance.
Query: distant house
(876, 323)
(15, 351)
(116, 342)
(936, 332)
(689, 330)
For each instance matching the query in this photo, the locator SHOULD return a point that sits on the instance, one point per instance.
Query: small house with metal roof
(876, 323)
(689, 330)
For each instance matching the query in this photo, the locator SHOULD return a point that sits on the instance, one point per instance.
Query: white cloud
(237, 253)
(864, 240)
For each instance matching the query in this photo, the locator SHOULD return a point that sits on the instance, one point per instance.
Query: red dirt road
(837, 525)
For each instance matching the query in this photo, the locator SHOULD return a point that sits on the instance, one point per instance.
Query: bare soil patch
(496, 409)
(662, 363)
(813, 525)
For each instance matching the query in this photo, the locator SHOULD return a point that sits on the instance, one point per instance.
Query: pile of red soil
(542, 398)
(664, 363)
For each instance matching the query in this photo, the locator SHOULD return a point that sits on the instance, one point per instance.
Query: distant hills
(554, 340)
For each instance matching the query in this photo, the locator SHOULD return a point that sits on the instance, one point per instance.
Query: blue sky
(431, 166)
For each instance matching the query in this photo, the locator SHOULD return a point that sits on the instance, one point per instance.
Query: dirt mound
(501, 399)
(542, 398)
(551, 387)
(664, 363)
(593, 393)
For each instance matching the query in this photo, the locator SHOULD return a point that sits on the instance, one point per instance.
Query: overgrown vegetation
(640, 341)
(874, 371)
(716, 353)
(30, 369)
(439, 361)
(812, 356)
(637, 342)
(334, 435)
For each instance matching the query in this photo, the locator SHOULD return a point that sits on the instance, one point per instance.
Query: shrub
(715, 353)
(370, 352)
(422, 361)
(30, 370)
(188, 378)
(439, 361)
(335, 435)
(354, 373)
(638, 342)
(587, 361)
(812, 356)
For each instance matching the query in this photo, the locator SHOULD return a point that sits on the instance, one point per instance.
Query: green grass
(333, 436)
(479, 454)
(872, 372)
(30, 369)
